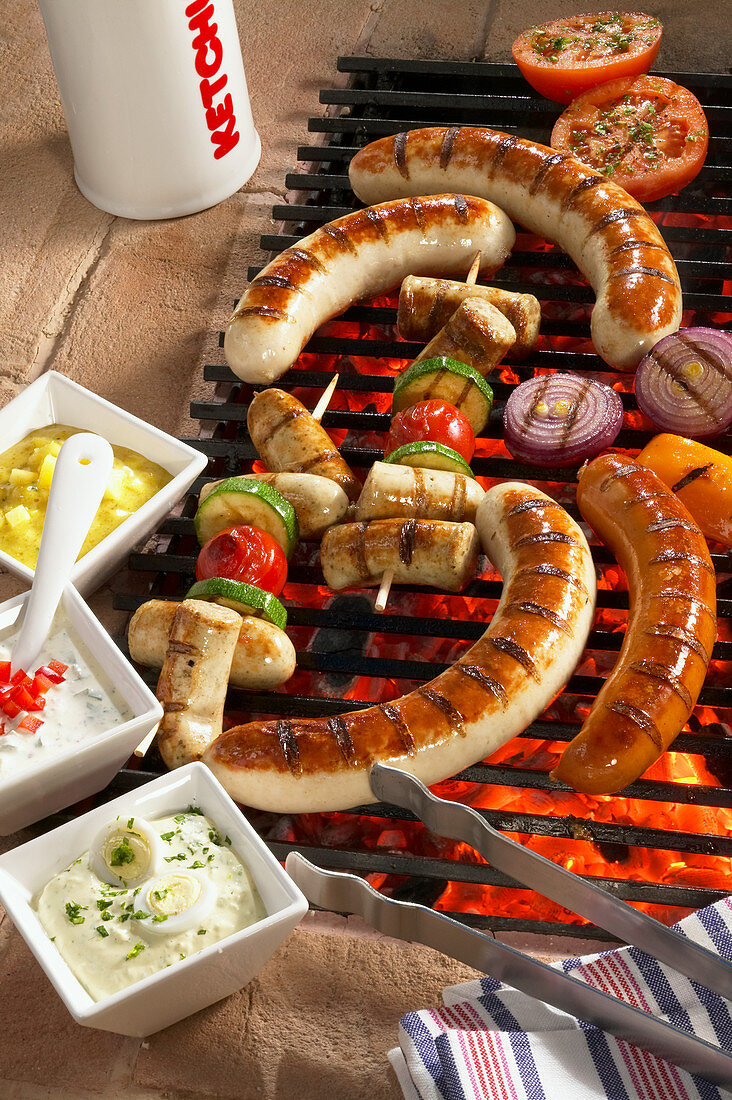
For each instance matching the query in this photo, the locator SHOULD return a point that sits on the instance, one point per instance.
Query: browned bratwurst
(606, 232)
(492, 693)
(671, 626)
(289, 438)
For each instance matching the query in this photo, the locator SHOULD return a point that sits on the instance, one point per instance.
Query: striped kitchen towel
(491, 1042)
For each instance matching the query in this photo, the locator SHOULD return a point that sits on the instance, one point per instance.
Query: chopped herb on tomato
(565, 57)
(648, 128)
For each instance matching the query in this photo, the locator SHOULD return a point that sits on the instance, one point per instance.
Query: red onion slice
(561, 419)
(684, 384)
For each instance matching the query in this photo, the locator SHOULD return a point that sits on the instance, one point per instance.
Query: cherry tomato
(564, 58)
(647, 133)
(246, 554)
(437, 421)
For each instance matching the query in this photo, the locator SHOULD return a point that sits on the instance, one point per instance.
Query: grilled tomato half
(649, 134)
(564, 58)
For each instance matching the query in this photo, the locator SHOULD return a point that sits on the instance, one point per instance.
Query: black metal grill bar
(382, 90)
(454, 871)
(494, 71)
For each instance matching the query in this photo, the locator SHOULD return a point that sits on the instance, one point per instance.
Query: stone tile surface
(323, 1012)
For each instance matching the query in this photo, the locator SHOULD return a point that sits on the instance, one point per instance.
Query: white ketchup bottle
(156, 102)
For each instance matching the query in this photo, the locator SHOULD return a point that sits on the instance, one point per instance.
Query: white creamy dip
(85, 704)
(107, 937)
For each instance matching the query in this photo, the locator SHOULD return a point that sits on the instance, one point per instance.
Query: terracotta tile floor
(132, 310)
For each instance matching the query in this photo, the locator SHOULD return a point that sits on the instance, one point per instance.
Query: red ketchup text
(209, 56)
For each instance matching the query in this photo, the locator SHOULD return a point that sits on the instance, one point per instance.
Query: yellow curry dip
(26, 470)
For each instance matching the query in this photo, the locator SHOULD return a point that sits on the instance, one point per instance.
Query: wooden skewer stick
(322, 405)
(143, 747)
(383, 596)
(472, 275)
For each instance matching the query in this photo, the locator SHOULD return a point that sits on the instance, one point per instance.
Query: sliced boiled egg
(126, 852)
(176, 902)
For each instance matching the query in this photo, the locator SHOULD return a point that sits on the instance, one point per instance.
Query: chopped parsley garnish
(140, 915)
(160, 894)
(73, 912)
(159, 918)
(103, 904)
(102, 930)
(202, 931)
(196, 864)
(130, 823)
(167, 837)
(136, 950)
(169, 859)
(106, 915)
(122, 854)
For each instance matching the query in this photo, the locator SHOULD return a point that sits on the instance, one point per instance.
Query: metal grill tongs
(407, 921)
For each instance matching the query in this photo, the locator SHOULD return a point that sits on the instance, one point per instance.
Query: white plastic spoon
(80, 476)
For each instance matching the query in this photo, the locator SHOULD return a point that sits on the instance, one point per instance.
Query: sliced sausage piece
(672, 625)
(392, 491)
(362, 254)
(264, 656)
(418, 551)
(426, 305)
(290, 439)
(607, 233)
(194, 678)
(500, 685)
(318, 501)
(477, 334)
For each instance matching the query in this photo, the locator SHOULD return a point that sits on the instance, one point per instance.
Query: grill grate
(335, 634)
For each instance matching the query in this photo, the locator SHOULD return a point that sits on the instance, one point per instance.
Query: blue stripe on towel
(522, 1052)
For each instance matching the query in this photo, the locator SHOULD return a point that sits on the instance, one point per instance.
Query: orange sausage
(672, 626)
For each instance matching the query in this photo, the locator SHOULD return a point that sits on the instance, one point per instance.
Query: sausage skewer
(387, 579)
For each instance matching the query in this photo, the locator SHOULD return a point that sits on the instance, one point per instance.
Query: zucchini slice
(240, 500)
(430, 456)
(247, 599)
(448, 380)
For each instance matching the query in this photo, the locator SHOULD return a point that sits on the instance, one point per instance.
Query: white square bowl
(67, 775)
(55, 399)
(188, 984)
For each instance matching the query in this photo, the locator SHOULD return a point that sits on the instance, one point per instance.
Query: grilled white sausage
(264, 657)
(318, 501)
(492, 693)
(419, 551)
(289, 439)
(392, 491)
(357, 256)
(426, 305)
(194, 677)
(606, 232)
(477, 334)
